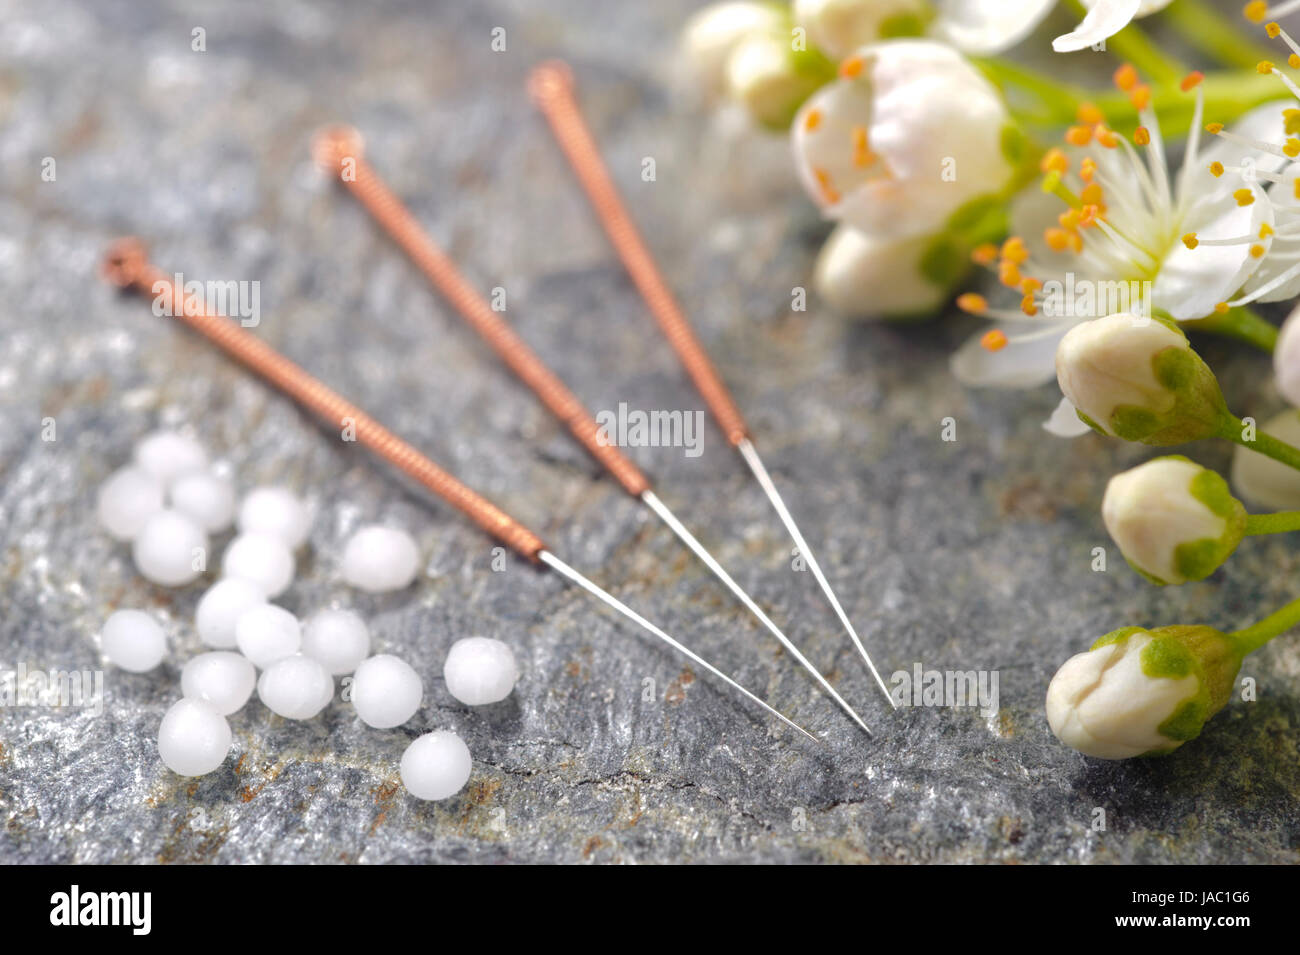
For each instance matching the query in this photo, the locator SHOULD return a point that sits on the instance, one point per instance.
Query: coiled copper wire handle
(338, 150)
(127, 265)
(551, 87)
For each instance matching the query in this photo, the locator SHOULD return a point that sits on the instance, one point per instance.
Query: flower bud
(1261, 480)
(1173, 520)
(841, 26)
(908, 135)
(770, 77)
(712, 35)
(1138, 379)
(864, 277)
(1142, 692)
(1286, 359)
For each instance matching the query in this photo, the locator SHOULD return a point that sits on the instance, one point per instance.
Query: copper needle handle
(127, 265)
(551, 86)
(338, 150)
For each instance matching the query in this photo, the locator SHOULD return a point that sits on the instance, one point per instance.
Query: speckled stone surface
(971, 554)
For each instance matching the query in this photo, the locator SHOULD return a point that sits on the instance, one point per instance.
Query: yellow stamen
(987, 253)
(1092, 194)
(1293, 61)
(994, 340)
(1264, 66)
(1027, 305)
(1030, 285)
(1142, 136)
(1244, 197)
(1126, 77)
(1069, 219)
(1292, 121)
(1058, 239)
(1087, 168)
(1272, 29)
(1107, 137)
(1257, 251)
(1265, 231)
(862, 154)
(1013, 250)
(1190, 240)
(812, 120)
(1089, 114)
(851, 68)
(1191, 81)
(1054, 160)
(1009, 273)
(1088, 217)
(1216, 170)
(1255, 11)
(1221, 308)
(1296, 189)
(1214, 128)
(1292, 148)
(1078, 135)
(1140, 97)
(828, 190)
(972, 302)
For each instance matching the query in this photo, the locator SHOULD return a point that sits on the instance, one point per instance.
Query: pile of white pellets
(165, 504)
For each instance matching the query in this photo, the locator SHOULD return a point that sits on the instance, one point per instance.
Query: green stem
(1211, 32)
(1279, 523)
(1241, 323)
(1253, 637)
(1233, 428)
(1133, 45)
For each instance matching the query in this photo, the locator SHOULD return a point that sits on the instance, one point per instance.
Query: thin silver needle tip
(565, 570)
(652, 501)
(751, 457)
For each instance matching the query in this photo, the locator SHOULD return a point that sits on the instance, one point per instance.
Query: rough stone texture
(973, 554)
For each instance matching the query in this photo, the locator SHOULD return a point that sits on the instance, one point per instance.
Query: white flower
(974, 26)
(1103, 704)
(712, 35)
(873, 146)
(864, 277)
(1263, 481)
(1138, 379)
(770, 79)
(1105, 18)
(1286, 358)
(1113, 230)
(1173, 520)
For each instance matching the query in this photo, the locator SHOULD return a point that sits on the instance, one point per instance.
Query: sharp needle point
(609, 599)
(747, 451)
(652, 501)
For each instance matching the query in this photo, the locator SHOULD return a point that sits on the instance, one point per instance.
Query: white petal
(987, 26)
(1065, 421)
(1263, 122)
(1021, 363)
(1146, 7)
(1106, 18)
(1192, 281)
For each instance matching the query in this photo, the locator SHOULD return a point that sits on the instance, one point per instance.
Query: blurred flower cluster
(956, 172)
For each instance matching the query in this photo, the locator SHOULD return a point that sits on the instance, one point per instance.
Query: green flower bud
(1142, 692)
(1173, 520)
(1138, 379)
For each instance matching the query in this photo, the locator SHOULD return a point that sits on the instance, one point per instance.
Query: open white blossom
(1114, 230)
(870, 146)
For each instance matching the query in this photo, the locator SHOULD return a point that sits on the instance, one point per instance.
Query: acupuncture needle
(552, 88)
(339, 150)
(127, 266)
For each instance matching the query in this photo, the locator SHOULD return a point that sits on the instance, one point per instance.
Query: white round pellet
(266, 633)
(222, 679)
(436, 765)
(275, 511)
(339, 639)
(379, 559)
(296, 687)
(170, 549)
(193, 739)
(220, 607)
(480, 670)
(386, 691)
(127, 500)
(167, 455)
(133, 640)
(206, 497)
(261, 559)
